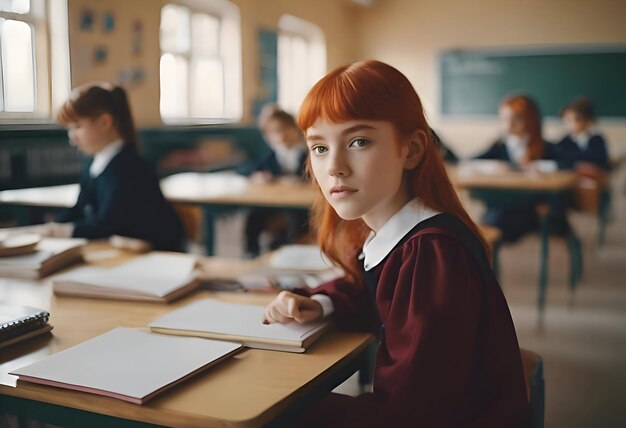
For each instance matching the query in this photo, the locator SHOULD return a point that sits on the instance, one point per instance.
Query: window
(301, 60)
(200, 69)
(32, 80)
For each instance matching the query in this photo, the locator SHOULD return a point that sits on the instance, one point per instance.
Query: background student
(448, 353)
(119, 190)
(285, 161)
(584, 150)
(584, 146)
(520, 145)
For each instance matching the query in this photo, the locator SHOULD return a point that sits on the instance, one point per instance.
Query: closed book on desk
(238, 323)
(155, 277)
(19, 323)
(51, 255)
(127, 364)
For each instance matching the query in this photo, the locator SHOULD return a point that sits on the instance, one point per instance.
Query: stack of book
(46, 257)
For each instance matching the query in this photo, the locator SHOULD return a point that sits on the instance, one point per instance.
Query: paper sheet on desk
(127, 364)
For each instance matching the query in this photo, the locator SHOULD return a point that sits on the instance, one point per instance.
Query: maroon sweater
(448, 354)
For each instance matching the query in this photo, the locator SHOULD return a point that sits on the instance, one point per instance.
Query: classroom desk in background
(220, 192)
(253, 388)
(214, 192)
(554, 189)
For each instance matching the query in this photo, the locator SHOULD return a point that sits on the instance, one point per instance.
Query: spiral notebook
(19, 323)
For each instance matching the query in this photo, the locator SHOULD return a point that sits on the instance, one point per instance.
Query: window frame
(221, 11)
(292, 27)
(47, 91)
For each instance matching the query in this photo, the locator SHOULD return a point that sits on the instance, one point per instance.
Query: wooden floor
(583, 344)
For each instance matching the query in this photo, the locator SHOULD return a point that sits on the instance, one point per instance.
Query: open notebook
(155, 277)
(19, 323)
(128, 364)
(238, 323)
(51, 255)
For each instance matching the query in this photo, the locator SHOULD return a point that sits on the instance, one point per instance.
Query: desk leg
(543, 273)
(209, 219)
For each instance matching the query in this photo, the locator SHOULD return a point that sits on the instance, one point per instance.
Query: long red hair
(373, 90)
(526, 109)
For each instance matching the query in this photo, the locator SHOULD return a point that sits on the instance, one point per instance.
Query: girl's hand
(288, 307)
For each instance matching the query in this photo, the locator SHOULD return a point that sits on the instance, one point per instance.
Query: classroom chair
(535, 388)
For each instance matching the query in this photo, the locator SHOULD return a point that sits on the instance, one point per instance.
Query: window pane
(1, 71)
(15, 6)
(204, 34)
(284, 72)
(17, 66)
(175, 35)
(174, 86)
(207, 94)
(299, 70)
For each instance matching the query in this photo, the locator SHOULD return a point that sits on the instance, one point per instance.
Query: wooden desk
(229, 189)
(64, 196)
(253, 388)
(515, 186)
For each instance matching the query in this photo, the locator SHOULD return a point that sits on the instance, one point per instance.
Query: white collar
(582, 139)
(378, 245)
(516, 146)
(103, 157)
(289, 158)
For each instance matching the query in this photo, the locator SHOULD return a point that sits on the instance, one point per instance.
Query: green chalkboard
(474, 82)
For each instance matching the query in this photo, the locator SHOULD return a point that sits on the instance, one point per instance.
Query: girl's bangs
(335, 99)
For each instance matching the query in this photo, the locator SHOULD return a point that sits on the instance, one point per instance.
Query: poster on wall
(100, 54)
(86, 20)
(108, 22)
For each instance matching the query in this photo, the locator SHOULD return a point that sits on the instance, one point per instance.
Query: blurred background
(198, 73)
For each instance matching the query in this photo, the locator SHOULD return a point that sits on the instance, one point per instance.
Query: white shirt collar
(103, 157)
(289, 159)
(516, 147)
(378, 245)
(582, 139)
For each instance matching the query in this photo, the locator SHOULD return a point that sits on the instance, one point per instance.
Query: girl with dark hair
(119, 190)
(417, 270)
(583, 144)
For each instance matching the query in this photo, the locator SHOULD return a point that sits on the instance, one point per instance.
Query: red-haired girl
(417, 270)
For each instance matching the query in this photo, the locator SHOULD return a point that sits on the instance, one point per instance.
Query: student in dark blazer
(119, 190)
(520, 145)
(583, 144)
(285, 161)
